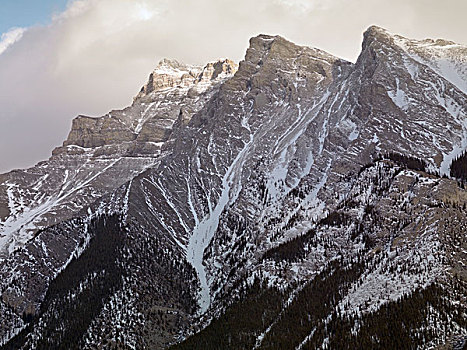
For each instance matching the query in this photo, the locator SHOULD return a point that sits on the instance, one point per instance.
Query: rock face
(172, 93)
(99, 155)
(301, 189)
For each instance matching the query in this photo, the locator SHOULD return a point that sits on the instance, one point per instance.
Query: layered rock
(153, 114)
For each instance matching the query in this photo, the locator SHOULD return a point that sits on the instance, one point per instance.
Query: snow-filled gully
(205, 229)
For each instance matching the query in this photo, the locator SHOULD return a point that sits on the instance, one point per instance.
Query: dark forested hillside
(78, 293)
(459, 167)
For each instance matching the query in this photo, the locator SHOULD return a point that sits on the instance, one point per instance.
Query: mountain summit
(295, 201)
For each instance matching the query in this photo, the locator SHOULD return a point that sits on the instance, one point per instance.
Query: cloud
(96, 54)
(9, 38)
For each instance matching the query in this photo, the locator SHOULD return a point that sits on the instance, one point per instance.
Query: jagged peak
(174, 67)
(168, 66)
(376, 30)
(171, 73)
(376, 34)
(378, 43)
(265, 38)
(264, 44)
(169, 62)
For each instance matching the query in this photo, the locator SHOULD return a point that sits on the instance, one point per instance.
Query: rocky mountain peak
(167, 74)
(376, 31)
(262, 42)
(170, 79)
(378, 48)
(263, 45)
(174, 68)
(170, 73)
(270, 57)
(376, 36)
(170, 63)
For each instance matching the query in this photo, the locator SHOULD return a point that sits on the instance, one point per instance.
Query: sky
(62, 58)
(26, 13)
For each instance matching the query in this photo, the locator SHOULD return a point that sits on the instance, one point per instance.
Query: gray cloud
(97, 54)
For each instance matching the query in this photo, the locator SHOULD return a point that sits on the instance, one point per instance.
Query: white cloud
(9, 38)
(96, 54)
(144, 13)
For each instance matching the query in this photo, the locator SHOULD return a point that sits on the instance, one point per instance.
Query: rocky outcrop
(153, 114)
(91, 132)
(171, 74)
(216, 70)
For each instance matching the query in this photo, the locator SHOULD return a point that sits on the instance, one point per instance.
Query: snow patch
(399, 97)
(451, 73)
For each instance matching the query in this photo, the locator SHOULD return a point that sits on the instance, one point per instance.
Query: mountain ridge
(297, 148)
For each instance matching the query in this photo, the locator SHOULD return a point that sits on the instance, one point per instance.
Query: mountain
(295, 201)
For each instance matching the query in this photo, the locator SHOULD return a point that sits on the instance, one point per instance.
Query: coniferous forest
(79, 292)
(459, 167)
